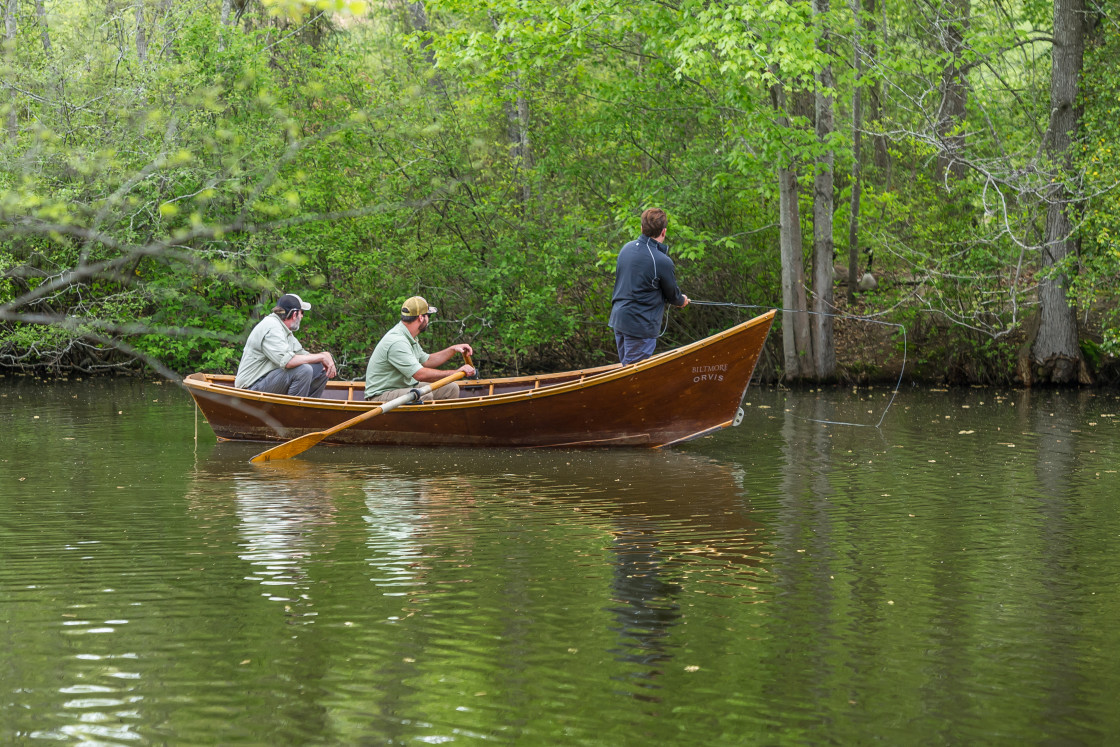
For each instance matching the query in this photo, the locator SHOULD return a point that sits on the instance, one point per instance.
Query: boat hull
(669, 398)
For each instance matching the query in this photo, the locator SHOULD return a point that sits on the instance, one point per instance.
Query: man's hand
(685, 301)
(467, 369)
(328, 364)
(324, 359)
(463, 349)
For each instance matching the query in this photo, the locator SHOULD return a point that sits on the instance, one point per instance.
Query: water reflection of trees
(1056, 421)
(944, 556)
(279, 508)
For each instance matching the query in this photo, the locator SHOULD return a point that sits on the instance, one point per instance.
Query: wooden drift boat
(672, 397)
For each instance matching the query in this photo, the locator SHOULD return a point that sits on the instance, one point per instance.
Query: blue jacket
(644, 282)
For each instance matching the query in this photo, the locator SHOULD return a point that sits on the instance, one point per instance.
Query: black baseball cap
(290, 302)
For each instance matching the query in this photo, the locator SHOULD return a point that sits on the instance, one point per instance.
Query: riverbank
(930, 349)
(871, 349)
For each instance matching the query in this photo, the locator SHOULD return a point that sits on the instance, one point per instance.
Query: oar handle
(447, 380)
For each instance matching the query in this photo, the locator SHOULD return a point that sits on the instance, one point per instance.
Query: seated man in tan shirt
(399, 363)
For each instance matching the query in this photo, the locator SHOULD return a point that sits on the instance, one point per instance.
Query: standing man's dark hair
(654, 222)
(644, 282)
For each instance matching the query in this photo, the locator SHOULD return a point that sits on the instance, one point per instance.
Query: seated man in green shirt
(274, 361)
(399, 363)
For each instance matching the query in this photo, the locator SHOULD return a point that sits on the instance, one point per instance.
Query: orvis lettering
(708, 373)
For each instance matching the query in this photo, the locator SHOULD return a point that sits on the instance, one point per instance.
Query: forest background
(169, 167)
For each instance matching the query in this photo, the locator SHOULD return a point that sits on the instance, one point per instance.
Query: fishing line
(902, 371)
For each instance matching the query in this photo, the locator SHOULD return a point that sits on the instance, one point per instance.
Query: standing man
(275, 362)
(644, 282)
(399, 363)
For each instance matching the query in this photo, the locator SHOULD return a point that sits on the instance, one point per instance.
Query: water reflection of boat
(694, 501)
(672, 397)
(668, 523)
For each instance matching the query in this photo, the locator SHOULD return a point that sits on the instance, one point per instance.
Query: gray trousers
(633, 349)
(449, 391)
(307, 380)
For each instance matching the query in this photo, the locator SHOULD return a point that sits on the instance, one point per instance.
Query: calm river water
(952, 577)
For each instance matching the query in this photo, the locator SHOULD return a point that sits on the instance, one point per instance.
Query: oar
(299, 445)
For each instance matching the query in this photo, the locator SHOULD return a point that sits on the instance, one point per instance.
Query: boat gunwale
(203, 383)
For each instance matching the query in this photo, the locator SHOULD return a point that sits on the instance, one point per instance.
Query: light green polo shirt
(395, 359)
(270, 346)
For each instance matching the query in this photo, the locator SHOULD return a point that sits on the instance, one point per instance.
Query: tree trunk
(418, 21)
(141, 35)
(857, 152)
(1056, 352)
(10, 29)
(44, 31)
(522, 147)
(11, 7)
(796, 338)
(517, 120)
(418, 16)
(227, 9)
(824, 348)
(954, 93)
(874, 103)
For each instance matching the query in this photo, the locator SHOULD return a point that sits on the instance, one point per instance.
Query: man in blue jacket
(644, 282)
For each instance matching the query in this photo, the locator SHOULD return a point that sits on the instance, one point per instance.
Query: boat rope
(851, 317)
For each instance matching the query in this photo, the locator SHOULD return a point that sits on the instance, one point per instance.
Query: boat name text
(708, 373)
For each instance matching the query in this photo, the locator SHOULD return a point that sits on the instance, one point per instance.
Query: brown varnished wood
(669, 398)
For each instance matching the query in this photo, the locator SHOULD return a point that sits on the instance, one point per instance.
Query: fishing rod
(852, 317)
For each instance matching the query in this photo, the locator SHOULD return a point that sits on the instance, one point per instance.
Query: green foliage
(1094, 286)
(495, 156)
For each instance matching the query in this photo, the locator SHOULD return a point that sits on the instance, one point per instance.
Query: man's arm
(324, 358)
(669, 289)
(429, 373)
(435, 360)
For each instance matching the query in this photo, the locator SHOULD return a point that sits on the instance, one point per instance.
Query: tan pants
(450, 391)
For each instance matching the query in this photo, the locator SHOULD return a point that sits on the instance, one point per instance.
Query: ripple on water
(788, 579)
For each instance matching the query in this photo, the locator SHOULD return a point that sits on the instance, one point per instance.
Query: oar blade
(289, 449)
